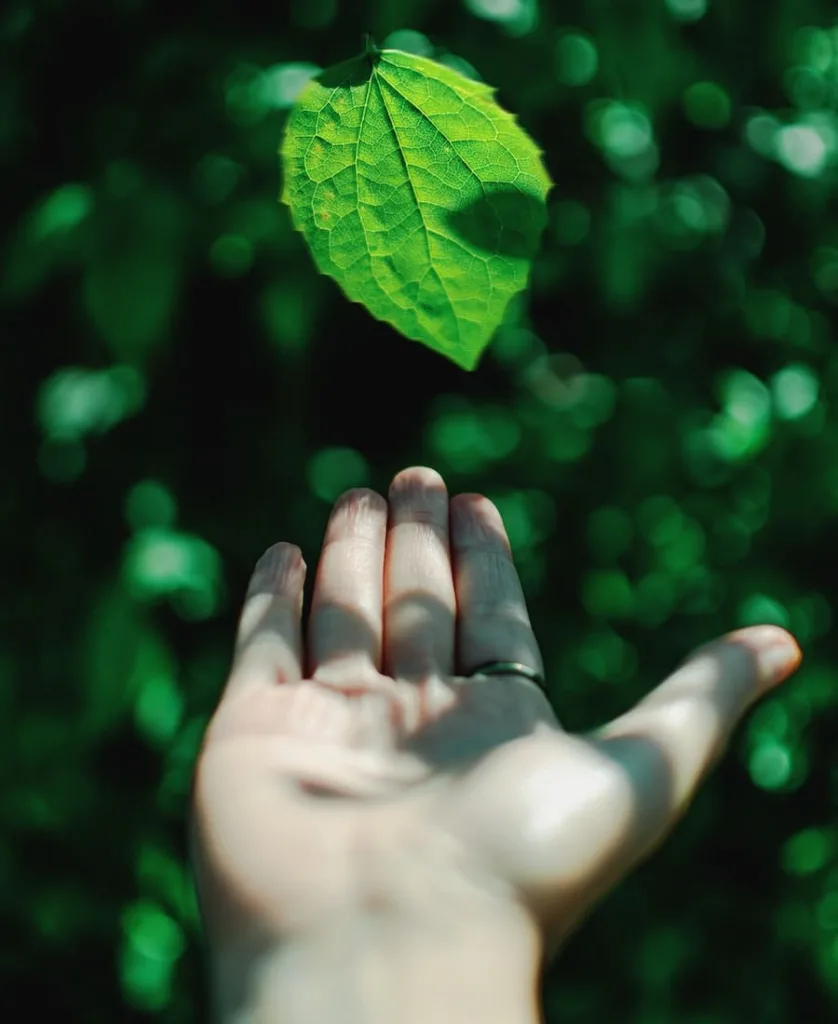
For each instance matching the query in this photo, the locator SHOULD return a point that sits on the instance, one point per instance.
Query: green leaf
(418, 194)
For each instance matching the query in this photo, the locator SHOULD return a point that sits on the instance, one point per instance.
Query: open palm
(368, 767)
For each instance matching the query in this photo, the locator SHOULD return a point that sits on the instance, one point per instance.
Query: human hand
(366, 772)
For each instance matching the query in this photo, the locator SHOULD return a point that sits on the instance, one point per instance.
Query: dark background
(657, 421)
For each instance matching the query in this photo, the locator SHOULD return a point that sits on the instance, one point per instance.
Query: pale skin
(379, 837)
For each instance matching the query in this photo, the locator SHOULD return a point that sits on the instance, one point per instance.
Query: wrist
(334, 979)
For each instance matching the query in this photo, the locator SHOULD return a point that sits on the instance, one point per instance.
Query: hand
(364, 774)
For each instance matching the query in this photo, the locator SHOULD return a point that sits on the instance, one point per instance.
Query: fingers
(669, 741)
(269, 641)
(419, 606)
(345, 627)
(493, 623)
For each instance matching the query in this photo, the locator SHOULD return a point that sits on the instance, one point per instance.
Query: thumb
(669, 741)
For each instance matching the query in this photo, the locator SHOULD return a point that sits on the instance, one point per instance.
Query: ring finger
(493, 623)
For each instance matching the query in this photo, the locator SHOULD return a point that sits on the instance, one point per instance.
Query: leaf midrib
(436, 128)
(416, 200)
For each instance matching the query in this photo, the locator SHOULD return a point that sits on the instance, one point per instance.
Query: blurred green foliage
(657, 421)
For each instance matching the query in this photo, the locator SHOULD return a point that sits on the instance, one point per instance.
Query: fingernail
(778, 661)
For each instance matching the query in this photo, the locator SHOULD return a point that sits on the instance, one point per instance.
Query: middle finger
(419, 604)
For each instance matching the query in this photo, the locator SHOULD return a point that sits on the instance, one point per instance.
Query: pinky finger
(269, 647)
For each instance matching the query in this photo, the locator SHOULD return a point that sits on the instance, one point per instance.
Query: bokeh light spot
(163, 562)
(607, 593)
(687, 10)
(707, 105)
(761, 132)
(808, 851)
(74, 402)
(760, 608)
(63, 210)
(408, 40)
(159, 708)
(770, 765)
(153, 942)
(744, 426)
(335, 470)
(231, 255)
(281, 85)
(624, 130)
(576, 59)
(516, 16)
(794, 390)
(814, 48)
(802, 150)
(529, 517)
(150, 503)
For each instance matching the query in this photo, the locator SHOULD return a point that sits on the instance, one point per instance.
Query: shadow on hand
(448, 744)
(641, 756)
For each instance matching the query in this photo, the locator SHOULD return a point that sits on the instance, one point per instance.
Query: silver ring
(510, 668)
